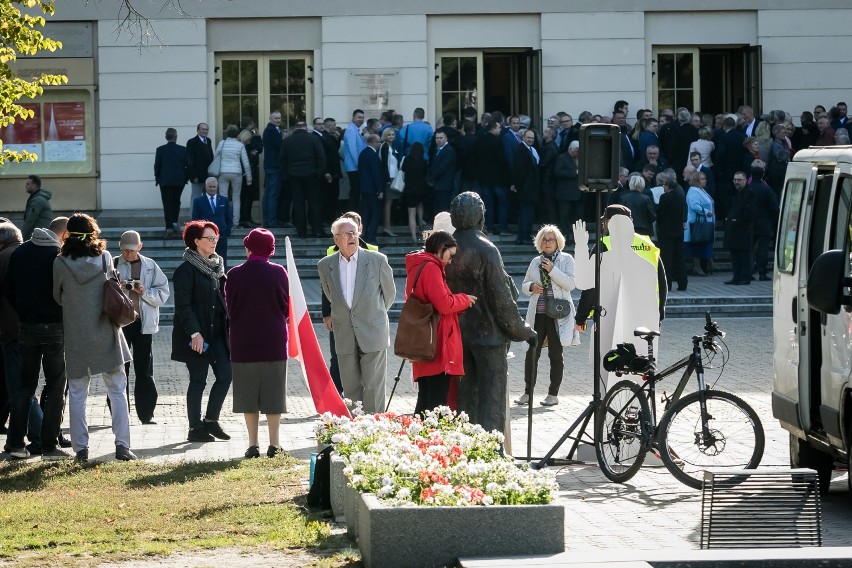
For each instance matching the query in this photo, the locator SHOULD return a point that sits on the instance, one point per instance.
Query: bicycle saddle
(645, 333)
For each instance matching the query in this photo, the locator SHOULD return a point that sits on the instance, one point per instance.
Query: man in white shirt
(359, 285)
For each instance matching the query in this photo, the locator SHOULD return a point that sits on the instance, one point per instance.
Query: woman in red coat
(433, 377)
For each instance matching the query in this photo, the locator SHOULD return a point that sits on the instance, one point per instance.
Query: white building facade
(325, 58)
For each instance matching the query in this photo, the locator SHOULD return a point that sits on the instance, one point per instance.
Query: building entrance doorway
(712, 79)
(490, 80)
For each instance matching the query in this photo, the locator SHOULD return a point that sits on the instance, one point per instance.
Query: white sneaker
(550, 400)
(525, 399)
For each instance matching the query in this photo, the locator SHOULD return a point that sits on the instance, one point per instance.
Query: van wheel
(803, 455)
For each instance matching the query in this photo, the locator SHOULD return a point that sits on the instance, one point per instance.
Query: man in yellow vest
(644, 247)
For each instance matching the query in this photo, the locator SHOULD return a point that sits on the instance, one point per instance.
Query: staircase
(168, 253)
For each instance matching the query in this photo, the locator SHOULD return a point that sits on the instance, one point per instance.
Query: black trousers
(305, 191)
(763, 243)
(546, 327)
(144, 387)
(354, 191)
(329, 192)
(741, 265)
(171, 203)
(569, 212)
(432, 392)
(671, 253)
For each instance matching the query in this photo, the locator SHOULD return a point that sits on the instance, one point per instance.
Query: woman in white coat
(550, 276)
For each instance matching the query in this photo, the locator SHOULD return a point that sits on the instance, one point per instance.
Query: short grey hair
(574, 144)
(636, 183)
(544, 230)
(9, 234)
(211, 178)
(684, 115)
(343, 221)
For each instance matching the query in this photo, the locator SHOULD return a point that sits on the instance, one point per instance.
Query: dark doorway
(730, 77)
(513, 83)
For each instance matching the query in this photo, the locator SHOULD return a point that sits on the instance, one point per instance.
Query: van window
(789, 227)
(842, 230)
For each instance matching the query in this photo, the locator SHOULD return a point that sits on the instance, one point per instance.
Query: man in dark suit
(526, 183)
(170, 162)
(217, 209)
(199, 151)
(442, 172)
(628, 153)
(695, 161)
(729, 160)
(330, 184)
(671, 216)
(372, 183)
(569, 198)
(303, 161)
(750, 121)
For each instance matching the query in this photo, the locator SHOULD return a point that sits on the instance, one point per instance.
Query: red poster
(64, 121)
(24, 131)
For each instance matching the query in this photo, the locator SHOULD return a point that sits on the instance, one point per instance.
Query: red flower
(427, 493)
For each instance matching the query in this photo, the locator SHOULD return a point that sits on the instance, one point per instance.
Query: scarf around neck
(213, 267)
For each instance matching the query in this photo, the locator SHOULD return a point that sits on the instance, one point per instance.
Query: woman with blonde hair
(550, 276)
(234, 163)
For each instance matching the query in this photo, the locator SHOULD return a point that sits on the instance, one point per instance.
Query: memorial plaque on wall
(374, 90)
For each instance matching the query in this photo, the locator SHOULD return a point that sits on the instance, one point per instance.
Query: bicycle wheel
(736, 437)
(622, 431)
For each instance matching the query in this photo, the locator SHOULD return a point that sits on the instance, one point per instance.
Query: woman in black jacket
(415, 168)
(200, 332)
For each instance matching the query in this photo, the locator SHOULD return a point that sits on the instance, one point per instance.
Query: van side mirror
(826, 282)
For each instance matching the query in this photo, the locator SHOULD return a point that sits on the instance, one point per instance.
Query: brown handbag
(117, 305)
(417, 329)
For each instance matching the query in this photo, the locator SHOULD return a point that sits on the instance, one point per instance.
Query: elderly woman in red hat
(257, 296)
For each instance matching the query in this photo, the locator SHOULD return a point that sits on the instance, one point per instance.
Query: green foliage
(20, 35)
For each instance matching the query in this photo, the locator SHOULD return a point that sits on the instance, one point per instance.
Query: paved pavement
(651, 512)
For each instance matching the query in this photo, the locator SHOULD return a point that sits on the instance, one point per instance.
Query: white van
(812, 324)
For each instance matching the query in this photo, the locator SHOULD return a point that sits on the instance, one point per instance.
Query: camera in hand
(130, 284)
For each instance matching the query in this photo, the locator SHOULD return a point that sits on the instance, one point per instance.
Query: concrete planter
(337, 487)
(351, 510)
(437, 536)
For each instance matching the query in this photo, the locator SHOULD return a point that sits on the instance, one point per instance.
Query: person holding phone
(549, 276)
(200, 332)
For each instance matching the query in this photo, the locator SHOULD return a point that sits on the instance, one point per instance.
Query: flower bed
(441, 460)
(445, 472)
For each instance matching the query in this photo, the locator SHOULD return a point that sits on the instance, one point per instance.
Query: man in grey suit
(359, 284)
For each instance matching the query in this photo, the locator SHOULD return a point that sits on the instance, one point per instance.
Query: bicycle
(706, 429)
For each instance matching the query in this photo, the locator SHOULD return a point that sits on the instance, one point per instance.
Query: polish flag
(302, 344)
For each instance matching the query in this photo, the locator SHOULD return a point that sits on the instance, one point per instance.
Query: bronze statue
(488, 326)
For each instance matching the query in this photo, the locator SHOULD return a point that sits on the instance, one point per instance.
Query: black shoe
(273, 451)
(148, 422)
(212, 427)
(734, 282)
(82, 456)
(245, 225)
(199, 435)
(741, 283)
(123, 453)
(64, 442)
(176, 228)
(681, 288)
(252, 452)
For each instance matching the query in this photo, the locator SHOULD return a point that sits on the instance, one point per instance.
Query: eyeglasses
(548, 240)
(348, 234)
(212, 239)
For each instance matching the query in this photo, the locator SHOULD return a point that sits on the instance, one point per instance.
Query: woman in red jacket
(429, 284)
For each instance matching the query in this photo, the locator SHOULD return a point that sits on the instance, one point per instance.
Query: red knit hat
(260, 241)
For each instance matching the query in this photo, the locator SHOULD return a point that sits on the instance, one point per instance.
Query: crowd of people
(679, 172)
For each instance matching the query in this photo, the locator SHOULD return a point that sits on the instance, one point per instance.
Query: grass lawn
(62, 512)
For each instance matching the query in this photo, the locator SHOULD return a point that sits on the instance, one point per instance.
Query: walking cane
(395, 382)
(532, 371)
